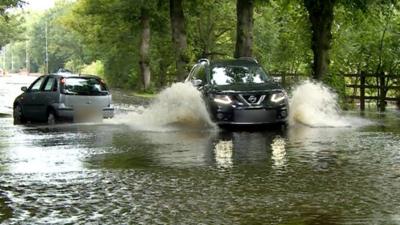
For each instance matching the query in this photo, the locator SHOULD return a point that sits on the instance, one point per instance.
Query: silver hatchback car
(63, 97)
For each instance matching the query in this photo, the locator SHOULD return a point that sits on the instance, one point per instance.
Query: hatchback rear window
(83, 86)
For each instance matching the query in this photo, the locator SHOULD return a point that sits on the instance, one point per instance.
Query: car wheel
(51, 118)
(284, 126)
(18, 116)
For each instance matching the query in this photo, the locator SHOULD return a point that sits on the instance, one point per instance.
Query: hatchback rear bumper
(69, 114)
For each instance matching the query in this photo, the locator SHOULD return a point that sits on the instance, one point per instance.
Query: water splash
(315, 105)
(180, 105)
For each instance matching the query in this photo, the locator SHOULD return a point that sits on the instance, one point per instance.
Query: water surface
(115, 173)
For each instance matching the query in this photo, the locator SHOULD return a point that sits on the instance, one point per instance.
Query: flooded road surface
(112, 173)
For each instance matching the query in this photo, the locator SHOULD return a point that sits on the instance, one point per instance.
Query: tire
(18, 115)
(284, 125)
(51, 118)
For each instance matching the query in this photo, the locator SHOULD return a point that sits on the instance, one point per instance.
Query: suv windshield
(84, 86)
(228, 75)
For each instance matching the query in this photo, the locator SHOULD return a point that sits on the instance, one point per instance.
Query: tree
(5, 4)
(9, 24)
(368, 42)
(281, 37)
(111, 32)
(320, 13)
(10, 29)
(321, 17)
(244, 28)
(131, 38)
(209, 36)
(64, 45)
(179, 37)
(144, 48)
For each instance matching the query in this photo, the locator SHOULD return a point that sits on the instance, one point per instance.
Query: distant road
(19, 74)
(10, 87)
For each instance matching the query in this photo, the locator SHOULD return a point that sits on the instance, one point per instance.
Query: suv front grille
(251, 99)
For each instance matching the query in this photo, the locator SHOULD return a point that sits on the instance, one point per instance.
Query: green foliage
(368, 42)
(282, 37)
(95, 68)
(6, 4)
(102, 37)
(209, 35)
(63, 44)
(10, 29)
(109, 31)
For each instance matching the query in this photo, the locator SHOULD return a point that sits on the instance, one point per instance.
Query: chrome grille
(251, 99)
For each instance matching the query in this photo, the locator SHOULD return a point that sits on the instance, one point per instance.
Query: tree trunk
(320, 14)
(244, 28)
(382, 92)
(144, 48)
(179, 37)
(163, 73)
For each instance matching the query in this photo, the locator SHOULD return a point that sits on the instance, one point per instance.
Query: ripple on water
(304, 176)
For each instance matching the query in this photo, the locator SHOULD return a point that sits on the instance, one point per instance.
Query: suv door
(30, 102)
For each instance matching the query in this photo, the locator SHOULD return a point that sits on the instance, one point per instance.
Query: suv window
(232, 74)
(50, 84)
(37, 84)
(83, 86)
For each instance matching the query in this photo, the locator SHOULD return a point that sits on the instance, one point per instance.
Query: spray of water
(315, 105)
(180, 105)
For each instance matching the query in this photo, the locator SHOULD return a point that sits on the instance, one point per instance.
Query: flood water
(116, 173)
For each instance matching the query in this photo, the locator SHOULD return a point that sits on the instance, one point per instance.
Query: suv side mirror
(24, 89)
(197, 82)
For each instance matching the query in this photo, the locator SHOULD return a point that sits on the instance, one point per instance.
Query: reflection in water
(223, 149)
(278, 152)
(223, 153)
(104, 174)
(56, 149)
(116, 174)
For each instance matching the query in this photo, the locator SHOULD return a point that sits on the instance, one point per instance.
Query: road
(116, 173)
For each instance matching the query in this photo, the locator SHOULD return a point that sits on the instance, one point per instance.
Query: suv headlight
(223, 99)
(278, 97)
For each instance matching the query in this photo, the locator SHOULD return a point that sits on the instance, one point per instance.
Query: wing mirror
(197, 82)
(24, 89)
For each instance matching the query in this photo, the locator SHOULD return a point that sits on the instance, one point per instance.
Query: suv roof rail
(203, 60)
(249, 59)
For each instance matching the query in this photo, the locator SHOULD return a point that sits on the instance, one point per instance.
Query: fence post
(362, 91)
(283, 77)
(382, 92)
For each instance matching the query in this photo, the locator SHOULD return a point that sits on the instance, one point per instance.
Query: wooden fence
(376, 87)
(364, 87)
(289, 79)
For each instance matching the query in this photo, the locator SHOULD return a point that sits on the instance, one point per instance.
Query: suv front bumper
(250, 116)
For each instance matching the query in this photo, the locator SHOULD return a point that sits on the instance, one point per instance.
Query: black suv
(238, 91)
